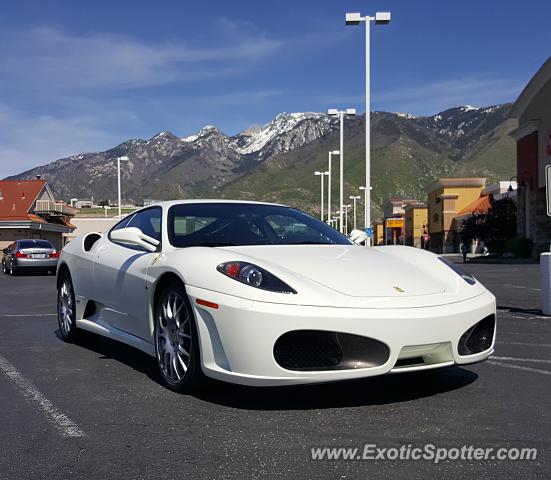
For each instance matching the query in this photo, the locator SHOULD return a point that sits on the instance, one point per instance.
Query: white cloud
(49, 58)
(433, 97)
(64, 93)
(28, 140)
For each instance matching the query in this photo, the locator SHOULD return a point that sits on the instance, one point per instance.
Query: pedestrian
(463, 250)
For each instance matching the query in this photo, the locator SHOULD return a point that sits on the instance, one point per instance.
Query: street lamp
(340, 114)
(354, 198)
(334, 152)
(119, 160)
(380, 18)
(346, 207)
(321, 174)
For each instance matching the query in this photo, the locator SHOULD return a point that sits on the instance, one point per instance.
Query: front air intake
(477, 338)
(311, 350)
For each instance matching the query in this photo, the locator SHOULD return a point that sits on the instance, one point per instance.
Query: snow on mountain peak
(407, 116)
(206, 130)
(258, 137)
(468, 108)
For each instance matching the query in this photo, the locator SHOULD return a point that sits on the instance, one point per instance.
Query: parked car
(30, 255)
(263, 294)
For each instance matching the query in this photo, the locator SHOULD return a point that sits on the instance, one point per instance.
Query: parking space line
(519, 367)
(63, 424)
(525, 344)
(7, 315)
(529, 360)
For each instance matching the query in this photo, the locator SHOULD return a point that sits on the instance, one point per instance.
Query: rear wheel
(66, 313)
(13, 270)
(176, 342)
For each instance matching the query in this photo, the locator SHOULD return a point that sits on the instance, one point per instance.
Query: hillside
(276, 161)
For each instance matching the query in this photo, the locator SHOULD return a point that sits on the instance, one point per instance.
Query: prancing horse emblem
(398, 289)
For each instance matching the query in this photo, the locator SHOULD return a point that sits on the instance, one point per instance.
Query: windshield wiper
(309, 242)
(212, 244)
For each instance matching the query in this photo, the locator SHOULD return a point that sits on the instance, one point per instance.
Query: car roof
(170, 203)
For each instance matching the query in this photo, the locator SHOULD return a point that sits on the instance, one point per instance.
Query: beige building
(85, 225)
(416, 229)
(446, 198)
(394, 220)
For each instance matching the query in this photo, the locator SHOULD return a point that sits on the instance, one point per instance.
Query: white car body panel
(404, 297)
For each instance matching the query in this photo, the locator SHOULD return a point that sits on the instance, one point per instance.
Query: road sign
(548, 189)
(395, 223)
(369, 232)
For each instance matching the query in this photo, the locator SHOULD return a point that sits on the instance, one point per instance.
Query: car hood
(351, 270)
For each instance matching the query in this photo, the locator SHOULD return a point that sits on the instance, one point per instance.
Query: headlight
(457, 269)
(254, 276)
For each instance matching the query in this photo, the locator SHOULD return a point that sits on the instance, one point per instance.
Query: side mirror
(358, 236)
(134, 236)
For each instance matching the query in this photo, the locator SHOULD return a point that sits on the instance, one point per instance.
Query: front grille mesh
(308, 350)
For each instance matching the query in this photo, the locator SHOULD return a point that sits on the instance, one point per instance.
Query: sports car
(264, 294)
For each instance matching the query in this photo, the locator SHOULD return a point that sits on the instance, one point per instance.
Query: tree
(495, 227)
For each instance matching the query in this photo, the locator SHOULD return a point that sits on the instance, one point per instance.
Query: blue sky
(82, 76)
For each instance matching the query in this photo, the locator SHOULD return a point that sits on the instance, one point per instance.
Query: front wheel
(66, 313)
(176, 342)
(4, 268)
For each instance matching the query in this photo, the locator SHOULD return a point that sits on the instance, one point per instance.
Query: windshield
(35, 244)
(235, 224)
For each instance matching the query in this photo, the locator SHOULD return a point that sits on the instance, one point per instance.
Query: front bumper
(237, 339)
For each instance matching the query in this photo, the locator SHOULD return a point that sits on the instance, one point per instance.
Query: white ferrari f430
(264, 294)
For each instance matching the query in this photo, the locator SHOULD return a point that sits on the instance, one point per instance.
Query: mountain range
(276, 161)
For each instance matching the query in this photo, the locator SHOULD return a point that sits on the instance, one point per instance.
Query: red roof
(18, 196)
(480, 205)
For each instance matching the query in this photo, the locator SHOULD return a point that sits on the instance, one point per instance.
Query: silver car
(30, 255)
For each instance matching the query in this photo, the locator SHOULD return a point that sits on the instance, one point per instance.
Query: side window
(148, 221)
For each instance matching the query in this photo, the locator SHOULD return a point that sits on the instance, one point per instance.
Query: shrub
(520, 247)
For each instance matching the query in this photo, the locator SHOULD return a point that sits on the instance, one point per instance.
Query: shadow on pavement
(528, 311)
(113, 350)
(351, 393)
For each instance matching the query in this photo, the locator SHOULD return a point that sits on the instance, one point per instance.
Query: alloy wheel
(173, 337)
(65, 306)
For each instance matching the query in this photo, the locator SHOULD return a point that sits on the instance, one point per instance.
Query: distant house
(394, 220)
(28, 209)
(83, 203)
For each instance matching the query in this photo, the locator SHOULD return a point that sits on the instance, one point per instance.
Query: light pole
(340, 114)
(346, 207)
(119, 159)
(336, 218)
(354, 198)
(334, 152)
(366, 210)
(321, 174)
(380, 18)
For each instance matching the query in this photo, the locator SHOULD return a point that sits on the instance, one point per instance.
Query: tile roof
(18, 196)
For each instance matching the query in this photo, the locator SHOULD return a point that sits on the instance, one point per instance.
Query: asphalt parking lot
(98, 411)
